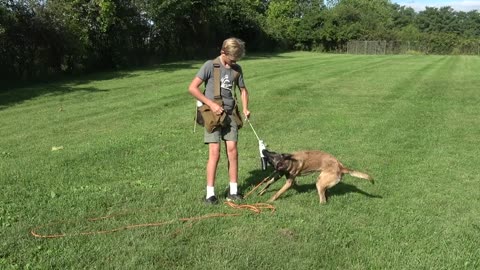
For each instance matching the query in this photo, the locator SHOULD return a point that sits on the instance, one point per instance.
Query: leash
(259, 184)
(261, 147)
(256, 208)
(195, 117)
(256, 135)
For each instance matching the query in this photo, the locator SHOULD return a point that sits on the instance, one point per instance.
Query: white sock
(210, 192)
(233, 188)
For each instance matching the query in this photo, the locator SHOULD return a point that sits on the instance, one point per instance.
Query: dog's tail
(358, 174)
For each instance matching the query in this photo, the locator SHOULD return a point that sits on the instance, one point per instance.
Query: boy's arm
(244, 96)
(194, 90)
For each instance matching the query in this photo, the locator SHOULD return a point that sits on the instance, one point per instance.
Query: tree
(358, 19)
(434, 19)
(282, 19)
(29, 42)
(309, 30)
(468, 24)
(402, 16)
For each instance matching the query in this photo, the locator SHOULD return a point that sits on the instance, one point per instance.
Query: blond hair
(234, 47)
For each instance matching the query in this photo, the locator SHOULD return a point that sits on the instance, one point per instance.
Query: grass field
(126, 148)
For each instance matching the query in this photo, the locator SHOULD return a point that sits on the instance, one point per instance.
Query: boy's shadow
(257, 176)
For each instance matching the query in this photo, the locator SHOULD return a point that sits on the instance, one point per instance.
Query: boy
(232, 50)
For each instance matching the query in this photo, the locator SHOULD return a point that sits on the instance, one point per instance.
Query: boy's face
(229, 60)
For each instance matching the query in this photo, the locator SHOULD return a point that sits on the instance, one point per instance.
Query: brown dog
(305, 162)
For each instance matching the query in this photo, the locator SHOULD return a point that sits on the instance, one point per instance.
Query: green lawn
(129, 150)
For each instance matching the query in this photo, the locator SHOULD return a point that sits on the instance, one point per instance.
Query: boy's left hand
(246, 113)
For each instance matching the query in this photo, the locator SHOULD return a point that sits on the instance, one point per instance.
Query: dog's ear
(286, 156)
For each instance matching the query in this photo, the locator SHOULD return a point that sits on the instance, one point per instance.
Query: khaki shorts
(229, 132)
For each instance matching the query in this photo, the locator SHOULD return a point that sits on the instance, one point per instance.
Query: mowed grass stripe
(424, 180)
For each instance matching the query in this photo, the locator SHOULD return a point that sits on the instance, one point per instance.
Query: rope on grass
(256, 208)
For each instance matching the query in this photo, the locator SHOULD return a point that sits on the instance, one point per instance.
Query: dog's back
(315, 161)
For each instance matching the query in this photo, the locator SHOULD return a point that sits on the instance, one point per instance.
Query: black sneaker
(234, 197)
(211, 200)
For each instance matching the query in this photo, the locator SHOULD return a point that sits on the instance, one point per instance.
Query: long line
(256, 208)
(248, 120)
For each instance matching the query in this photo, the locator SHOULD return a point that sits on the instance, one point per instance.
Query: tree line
(41, 38)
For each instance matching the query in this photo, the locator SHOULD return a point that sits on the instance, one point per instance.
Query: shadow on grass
(257, 56)
(338, 190)
(257, 176)
(13, 93)
(167, 67)
(12, 97)
(17, 92)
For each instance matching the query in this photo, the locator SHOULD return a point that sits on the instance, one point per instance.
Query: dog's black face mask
(277, 160)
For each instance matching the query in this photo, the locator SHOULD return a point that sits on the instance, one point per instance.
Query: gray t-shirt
(226, 83)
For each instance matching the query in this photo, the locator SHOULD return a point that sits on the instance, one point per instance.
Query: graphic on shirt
(226, 83)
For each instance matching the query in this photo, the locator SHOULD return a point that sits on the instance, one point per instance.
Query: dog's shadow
(257, 176)
(338, 190)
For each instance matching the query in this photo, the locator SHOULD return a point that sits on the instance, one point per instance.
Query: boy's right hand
(217, 109)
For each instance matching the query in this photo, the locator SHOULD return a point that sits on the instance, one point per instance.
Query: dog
(305, 162)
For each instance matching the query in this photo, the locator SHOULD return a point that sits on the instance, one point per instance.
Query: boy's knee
(232, 152)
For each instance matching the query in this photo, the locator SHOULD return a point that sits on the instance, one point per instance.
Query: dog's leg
(287, 185)
(325, 181)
